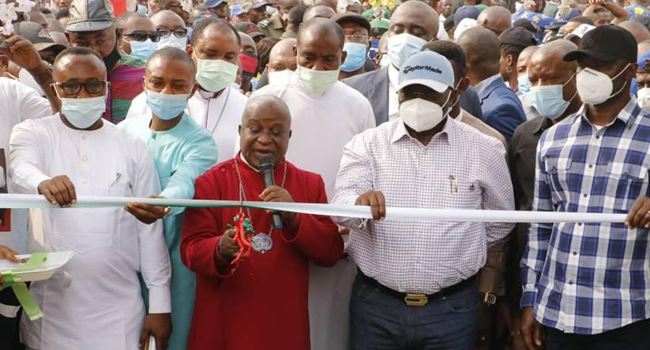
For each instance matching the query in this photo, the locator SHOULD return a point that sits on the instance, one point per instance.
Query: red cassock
(262, 304)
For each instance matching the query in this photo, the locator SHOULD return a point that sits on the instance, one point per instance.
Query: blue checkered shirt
(590, 278)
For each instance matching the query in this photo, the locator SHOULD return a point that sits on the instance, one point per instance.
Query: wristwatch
(489, 298)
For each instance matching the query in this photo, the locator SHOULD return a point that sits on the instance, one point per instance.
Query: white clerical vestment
(95, 302)
(321, 126)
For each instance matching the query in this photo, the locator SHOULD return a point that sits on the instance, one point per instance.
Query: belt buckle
(412, 299)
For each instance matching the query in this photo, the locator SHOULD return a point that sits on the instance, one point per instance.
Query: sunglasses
(73, 88)
(179, 33)
(143, 36)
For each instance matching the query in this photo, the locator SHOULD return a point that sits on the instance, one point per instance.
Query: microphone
(266, 169)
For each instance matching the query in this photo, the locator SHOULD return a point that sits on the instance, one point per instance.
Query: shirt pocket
(626, 183)
(558, 172)
(84, 230)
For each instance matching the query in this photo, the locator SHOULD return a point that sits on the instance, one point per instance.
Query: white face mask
(83, 112)
(596, 87)
(172, 41)
(421, 115)
(643, 98)
(280, 77)
(402, 46)
(317, 81)
(215, 75)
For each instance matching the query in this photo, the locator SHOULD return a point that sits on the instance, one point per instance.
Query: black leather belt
(415, 299)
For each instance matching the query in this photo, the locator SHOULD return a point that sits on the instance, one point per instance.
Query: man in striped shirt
(588, 285)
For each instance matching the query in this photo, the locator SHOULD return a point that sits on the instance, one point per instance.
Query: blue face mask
(549, 100)
(142, 50)
(166, 107)
(83, 112)
(523, 84)
(356, 57)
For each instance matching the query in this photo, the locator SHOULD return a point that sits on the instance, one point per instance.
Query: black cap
(526, 24)
(606, 43)
(37, 35)
(353, 17)
(517, 36)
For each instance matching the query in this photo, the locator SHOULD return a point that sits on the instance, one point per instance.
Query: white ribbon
(362, 212)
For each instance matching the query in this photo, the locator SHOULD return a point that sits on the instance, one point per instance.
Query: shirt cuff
(160, 301)
(528, 299)
(36, 180)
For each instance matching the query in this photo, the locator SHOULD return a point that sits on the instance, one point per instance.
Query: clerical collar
(239, 155)
(209, 95)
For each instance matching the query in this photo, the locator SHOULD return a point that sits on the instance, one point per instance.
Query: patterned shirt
(127, 80)
(590, 278)
(459, 168)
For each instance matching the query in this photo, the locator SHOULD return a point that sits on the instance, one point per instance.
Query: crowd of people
(443, 104)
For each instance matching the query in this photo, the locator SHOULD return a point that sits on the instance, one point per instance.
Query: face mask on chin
(111, 60)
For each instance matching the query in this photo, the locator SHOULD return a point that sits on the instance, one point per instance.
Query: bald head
(496, 19)
(167, 19)
(318, 11)
(261, 105)
(265, 130)
(283, 56)
(320, 28)
(638, 30)
(553, 51)
(415, 18)
(481, 47)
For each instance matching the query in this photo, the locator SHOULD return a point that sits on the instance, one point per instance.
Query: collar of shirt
(399, 133)
(485, 82)
(178, 132)
(249, 167)
(393, 77)
(542, 125)
(206, 95)
(627, 115)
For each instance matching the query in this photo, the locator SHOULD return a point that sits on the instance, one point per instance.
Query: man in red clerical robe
(261, 301)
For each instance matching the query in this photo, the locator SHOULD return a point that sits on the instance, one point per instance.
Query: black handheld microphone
(266, 169)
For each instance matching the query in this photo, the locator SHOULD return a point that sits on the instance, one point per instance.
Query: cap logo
(409, 69)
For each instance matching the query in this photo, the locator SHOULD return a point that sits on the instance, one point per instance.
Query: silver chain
(242, 194)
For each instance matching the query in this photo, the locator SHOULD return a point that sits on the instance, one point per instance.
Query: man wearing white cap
(416, 283)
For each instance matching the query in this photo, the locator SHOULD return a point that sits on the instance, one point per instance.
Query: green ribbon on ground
(25, 299)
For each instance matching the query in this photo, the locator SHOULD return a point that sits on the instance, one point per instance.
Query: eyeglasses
(362, 39)
(179, 33)
(143, 36)
(73, 88)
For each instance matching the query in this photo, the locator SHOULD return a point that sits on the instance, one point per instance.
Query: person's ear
(4, 63)
(463, 84)
(631, 72)
(510, 61)
(343, 56)
(290, 133)
(189, 49)
(118, 34)
(239, 130)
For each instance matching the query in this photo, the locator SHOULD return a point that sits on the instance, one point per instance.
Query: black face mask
(111, 60)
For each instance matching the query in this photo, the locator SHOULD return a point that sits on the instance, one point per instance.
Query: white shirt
(18, 103)
(223, 114)
(96, 301)
(393, 82)
(459, 168)
(322, 125)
